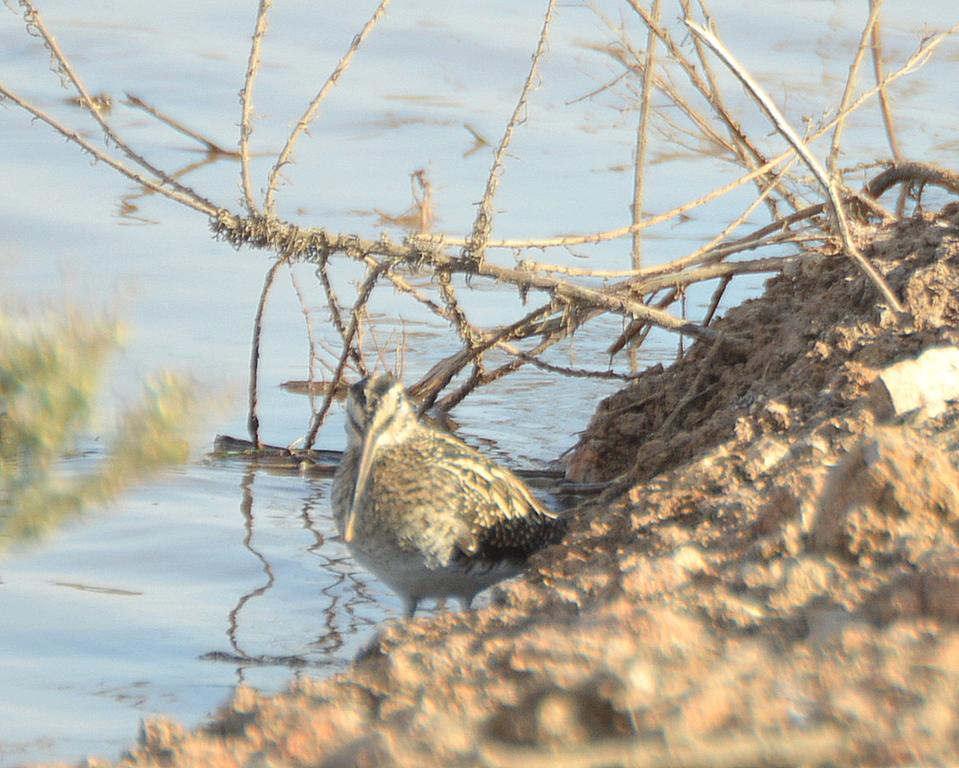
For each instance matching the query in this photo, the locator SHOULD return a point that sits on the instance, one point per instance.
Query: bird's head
(378, 414)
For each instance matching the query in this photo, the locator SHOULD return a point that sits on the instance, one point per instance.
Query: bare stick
(595, 298)
(333, 304)
(711, 272)
(310, 335)
(662, 84)
(712, 251)
(246, 99)
(833, 159)
(642, 138)
(712, 246)
(883, 95)
(638, 327)
(34, 21)
(777, 118)
(304, 122)
(483, 223)
(479, 377)
(212, 147)
(190, 200)
(436, 379)
(611, 234)
(886, 111)
(362, 296)
(924, 173)
(577, 373)
(924, 52)
(252, 419)
(716, 298)
(746, 150)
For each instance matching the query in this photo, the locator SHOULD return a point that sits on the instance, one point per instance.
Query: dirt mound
(777, 583)
(813, 342)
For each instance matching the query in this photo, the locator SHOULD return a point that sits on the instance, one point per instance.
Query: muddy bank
(776, 578)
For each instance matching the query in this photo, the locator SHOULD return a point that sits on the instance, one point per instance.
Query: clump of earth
(771, 578)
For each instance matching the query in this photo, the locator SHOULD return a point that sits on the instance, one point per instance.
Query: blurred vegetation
(51, 368)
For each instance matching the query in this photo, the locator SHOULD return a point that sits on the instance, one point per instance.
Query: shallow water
(218, 572)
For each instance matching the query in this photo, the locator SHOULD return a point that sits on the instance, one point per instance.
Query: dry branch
(246, 99)
(483, 224)
(189, 199)
(782, 125)
(749, 154)
(642, 138)
(867, 32)
(925, 173)
(304, 122)
(362, 297)
(211, 146)
(253, 419)
(573, 296)
(180, 192)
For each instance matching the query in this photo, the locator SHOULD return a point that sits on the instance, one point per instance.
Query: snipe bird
(426, 513)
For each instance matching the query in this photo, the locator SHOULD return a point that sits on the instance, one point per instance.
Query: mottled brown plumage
(428, 514)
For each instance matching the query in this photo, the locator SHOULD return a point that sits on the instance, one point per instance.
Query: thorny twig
(304, 122)
(34, 21)
(833, 159)
(483, 224)
(362, 297)
(246, 99)
(253, 419)
(782, 125)
(574, 296)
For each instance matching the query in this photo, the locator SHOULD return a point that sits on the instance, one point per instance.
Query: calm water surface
(149, 607)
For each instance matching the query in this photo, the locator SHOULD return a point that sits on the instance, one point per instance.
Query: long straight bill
(362, 479)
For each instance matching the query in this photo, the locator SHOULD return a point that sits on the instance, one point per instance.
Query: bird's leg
(466, 601)
(411, 603)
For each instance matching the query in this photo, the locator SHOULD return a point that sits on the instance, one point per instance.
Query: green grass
(51, 369)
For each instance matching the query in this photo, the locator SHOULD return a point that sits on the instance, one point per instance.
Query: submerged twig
(253, 419)
(211, 146)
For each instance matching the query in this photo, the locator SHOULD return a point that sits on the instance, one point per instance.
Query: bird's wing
(460, 505)
(503, 519)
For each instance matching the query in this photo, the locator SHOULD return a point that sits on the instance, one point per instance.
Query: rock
(926, 382)
(689, 557)
(894, 496)
(763, 455)
(805, 579)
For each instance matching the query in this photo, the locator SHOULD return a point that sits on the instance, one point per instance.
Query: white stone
(924, 383)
